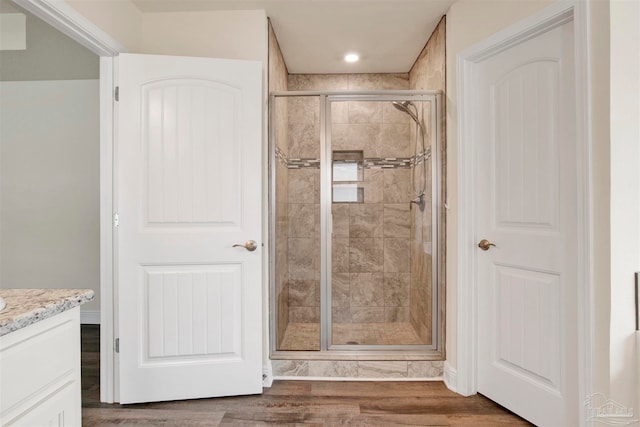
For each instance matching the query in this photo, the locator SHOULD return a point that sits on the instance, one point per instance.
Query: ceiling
(314, 35)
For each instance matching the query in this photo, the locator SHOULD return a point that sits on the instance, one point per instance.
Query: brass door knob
(250, 245)
(485, 245)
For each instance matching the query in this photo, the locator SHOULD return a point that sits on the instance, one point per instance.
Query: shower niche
(355, 195)
(347, 176)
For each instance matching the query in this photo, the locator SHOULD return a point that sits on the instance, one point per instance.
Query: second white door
(526, 203)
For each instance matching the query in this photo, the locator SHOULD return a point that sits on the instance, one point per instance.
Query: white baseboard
(90, 317)
(356, 379)
(267, 375)
(450, 375)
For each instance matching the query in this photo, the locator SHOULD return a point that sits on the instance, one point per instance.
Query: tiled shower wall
(428, 73)
(371, 240)
(278, 82)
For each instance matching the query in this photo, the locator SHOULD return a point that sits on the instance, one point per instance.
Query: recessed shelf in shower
(347, 176)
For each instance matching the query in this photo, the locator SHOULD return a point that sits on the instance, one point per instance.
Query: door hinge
(117, 93)
(117, 345)
(116, 219)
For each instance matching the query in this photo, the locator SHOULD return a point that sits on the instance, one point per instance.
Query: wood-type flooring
(291, 403)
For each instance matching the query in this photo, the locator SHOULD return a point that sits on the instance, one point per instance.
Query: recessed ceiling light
(351, 57)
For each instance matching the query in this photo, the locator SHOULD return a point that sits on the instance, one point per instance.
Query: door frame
(69, 21)
(468, 168)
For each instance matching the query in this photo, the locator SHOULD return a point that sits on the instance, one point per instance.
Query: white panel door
(188, 181)
(526, 204)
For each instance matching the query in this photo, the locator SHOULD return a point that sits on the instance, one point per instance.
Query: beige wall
(625, 199)
(219, 34)
(120, 19)
(599, 49)
(238, 34)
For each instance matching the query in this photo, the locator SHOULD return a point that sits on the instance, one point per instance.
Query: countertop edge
(46, 310)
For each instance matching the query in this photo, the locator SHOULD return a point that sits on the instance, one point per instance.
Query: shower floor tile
(306, 336)
(301, 337)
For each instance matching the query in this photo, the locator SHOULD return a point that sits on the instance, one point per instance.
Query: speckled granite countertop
(27, 306)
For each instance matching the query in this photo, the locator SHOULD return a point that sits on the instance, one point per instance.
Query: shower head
(404, 107)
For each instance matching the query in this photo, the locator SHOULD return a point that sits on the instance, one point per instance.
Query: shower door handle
(250, 245)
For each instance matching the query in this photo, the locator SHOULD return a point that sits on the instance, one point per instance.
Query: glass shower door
(380, 281)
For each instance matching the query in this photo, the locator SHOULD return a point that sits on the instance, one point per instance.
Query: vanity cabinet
(40, 373)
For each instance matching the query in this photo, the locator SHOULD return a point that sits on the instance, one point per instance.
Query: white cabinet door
(527, 207)
(188, 187)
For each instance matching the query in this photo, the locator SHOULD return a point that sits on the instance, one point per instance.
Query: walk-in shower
(355, 202)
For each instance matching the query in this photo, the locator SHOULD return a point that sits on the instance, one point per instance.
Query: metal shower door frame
(433, 351)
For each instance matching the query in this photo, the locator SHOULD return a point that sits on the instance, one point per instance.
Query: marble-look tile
(277, 68)
(282, 183)
(340, 219)
(367, 314)
(340, 315)
(301, 336)
(318, 82)
(391, 114)
(396, 255)
(304, 314)
(281, 125)
(282, 219)
(379, 81)
(365, 220)
(340, 290)
(365, 112)
(386, 369)
(282, 313)
(333, 368)
(395, 141)
(340, 137)
(398, 333)
(303, 110)
(304, 186)
(304, 140)
(290, 368)
(428, 71)
(340, 255)
(282, 262)
(340, 112)
(304, 293)
(425, 369)
(303, 258)
(366, 255)
(316, 216)
(397, 186)
(373, 185)
(396, 289)
(302, 220)
(396, 314)
(367, 289)
(397, 220)
(364, 137)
